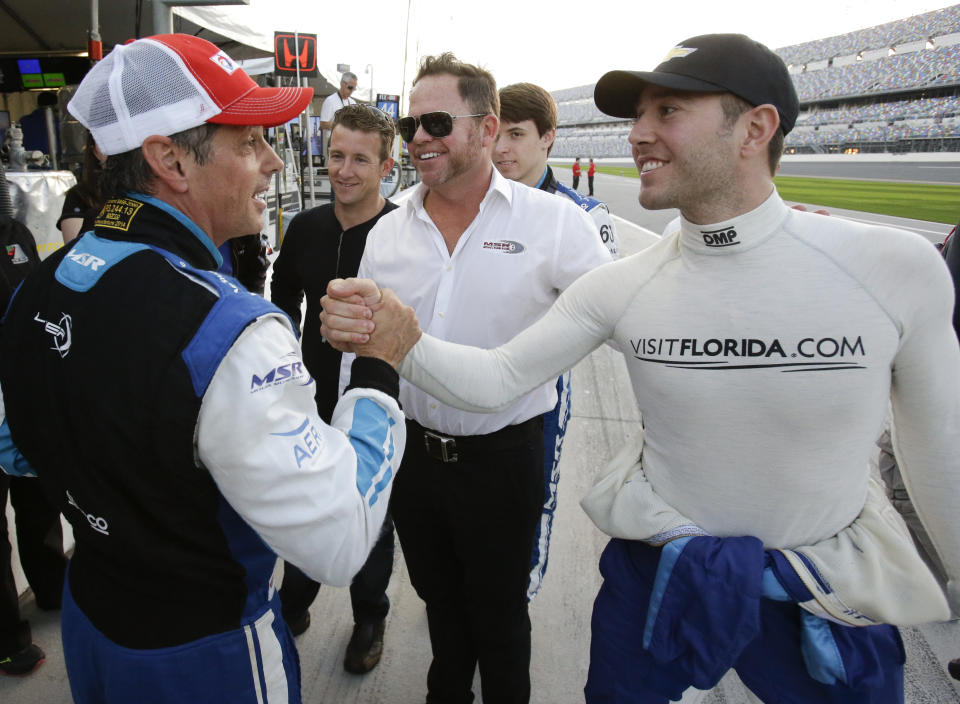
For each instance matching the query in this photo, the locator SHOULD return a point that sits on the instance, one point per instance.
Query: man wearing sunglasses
(479, 257)
(334, 102)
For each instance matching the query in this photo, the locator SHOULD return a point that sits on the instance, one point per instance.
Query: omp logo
(293, 371)
(678, 52)
(308, 441)
(62, 333)
(724, 237)
(98, 523)
(86, 259)
(224, 62)
(807, 354)
(505, 246)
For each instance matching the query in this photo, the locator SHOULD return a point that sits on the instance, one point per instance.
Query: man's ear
(386, 166)
(490, 127)
(164, 158)
(548, 137)
(761, 123)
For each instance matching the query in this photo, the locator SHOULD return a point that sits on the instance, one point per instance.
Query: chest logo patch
(61, 332)
(16, 255)
(505, 246)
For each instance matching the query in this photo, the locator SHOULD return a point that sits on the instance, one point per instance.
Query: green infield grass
(921, 201)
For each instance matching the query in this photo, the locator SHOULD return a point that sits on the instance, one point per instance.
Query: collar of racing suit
(136, 217)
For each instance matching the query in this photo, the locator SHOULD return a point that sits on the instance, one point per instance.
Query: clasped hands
(358, 316)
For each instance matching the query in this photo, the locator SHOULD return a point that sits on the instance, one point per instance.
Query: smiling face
(441, 160)
(227, 192)
(684, 150)
(355, 166)
(520, 153)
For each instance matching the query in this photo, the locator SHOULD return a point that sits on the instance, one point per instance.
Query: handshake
(358, 316)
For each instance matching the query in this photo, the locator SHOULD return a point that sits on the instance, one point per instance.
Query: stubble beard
(461, 160)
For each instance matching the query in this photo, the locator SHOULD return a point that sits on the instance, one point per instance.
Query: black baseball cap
(710, 63)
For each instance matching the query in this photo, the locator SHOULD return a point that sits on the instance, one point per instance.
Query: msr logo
(724, 237)
(86, 259)
(505, 246)
(279, 375)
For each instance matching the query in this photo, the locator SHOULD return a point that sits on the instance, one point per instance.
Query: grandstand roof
(919, 27)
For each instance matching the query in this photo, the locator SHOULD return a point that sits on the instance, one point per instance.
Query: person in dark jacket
(39, 533)
(321, 244)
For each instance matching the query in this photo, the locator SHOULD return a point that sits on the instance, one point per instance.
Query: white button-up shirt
(521, 250)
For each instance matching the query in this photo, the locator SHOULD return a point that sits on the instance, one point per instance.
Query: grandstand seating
(856, 91)
(919, 28)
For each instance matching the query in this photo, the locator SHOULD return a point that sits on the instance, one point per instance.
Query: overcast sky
(558, 46)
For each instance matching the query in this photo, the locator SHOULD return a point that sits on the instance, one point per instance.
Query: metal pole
(94, 44)
(373, 96)
(278, 220)
(162, 17)
(312, 171)
(313, 201)
(406, 44)
(51, 137)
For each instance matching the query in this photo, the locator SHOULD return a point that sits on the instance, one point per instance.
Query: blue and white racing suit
(169, 413)
(555, 421)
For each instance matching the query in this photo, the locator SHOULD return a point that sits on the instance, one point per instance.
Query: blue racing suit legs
(660, 628)
(254, 664)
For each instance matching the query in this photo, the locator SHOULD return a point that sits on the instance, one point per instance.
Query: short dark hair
(366, 118)
(526, 101)
(129, 171)
(476, 85)
(733, 107)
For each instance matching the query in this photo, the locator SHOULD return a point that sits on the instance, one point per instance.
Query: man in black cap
(763, 345)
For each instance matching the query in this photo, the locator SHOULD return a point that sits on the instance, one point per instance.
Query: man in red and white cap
(168, 411)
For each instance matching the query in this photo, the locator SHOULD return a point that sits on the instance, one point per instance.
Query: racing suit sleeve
(346, 359)
(925, 397)
(286, 287)
(479, 380)
(317, 494)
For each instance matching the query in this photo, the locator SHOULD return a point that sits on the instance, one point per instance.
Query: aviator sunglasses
(436, 124)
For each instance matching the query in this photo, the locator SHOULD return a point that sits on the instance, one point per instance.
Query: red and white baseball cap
(169, 83)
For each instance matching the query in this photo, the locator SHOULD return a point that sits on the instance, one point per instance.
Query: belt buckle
(440, 447)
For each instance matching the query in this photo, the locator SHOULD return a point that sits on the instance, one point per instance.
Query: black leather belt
(450, 448)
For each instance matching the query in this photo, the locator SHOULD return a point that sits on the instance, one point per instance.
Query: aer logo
(307, 441)
(86, 259)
